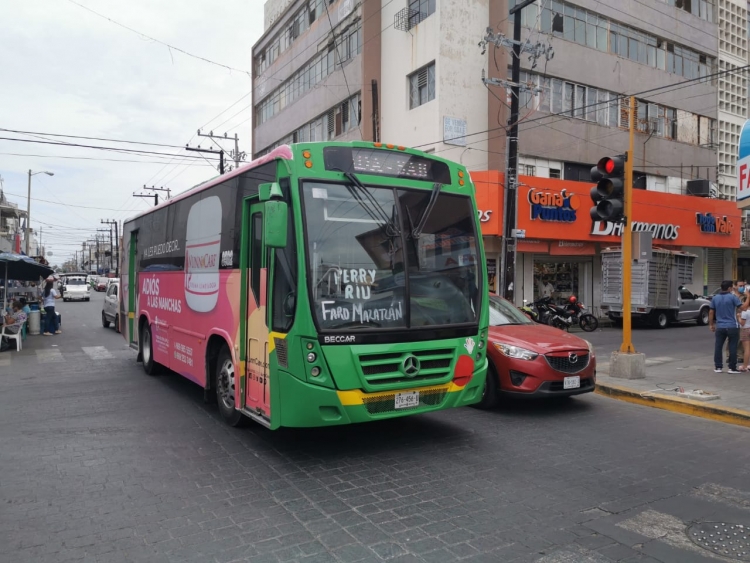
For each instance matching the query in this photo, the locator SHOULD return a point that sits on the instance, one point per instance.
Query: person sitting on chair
(13, 322)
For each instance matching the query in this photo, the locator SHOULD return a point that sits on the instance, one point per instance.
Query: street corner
(659, 399)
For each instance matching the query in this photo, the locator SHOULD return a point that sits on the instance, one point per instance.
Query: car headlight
(515, 351)
(591, 347)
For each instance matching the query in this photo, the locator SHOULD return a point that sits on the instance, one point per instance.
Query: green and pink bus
(322, 284)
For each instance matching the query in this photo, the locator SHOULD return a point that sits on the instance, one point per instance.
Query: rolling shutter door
(715, 268)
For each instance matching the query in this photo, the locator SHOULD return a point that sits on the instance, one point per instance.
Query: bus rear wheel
(226, 384)
(147, 352)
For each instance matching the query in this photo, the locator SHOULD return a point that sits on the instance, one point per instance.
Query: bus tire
(147, 351)
(489, 395)
(226, 381)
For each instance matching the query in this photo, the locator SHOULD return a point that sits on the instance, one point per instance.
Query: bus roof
(283, 152)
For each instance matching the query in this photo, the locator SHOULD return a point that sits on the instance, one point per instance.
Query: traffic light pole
(627, 243)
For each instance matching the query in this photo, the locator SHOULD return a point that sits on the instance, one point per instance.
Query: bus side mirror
(275, 223)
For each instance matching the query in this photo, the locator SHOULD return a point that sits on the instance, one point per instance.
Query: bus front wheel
(226, 383)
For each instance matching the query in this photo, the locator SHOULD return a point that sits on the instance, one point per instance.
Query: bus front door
(257, 389)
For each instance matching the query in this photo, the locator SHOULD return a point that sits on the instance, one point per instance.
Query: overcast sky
(68, 71)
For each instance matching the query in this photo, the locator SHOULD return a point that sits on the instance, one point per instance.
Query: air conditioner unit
(698, 188)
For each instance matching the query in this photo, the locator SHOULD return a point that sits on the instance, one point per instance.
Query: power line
(76, 145)
(167, 45)
(58, 203)
(99, 159)
(91, 138)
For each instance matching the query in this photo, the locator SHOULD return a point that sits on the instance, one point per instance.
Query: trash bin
(34, 321)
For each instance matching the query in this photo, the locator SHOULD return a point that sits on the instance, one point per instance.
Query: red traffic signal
(611, 166)
(607, 195)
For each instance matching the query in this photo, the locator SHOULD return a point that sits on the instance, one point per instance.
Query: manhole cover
(722, 538)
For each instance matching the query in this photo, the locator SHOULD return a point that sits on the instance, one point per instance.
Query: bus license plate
(407, 400)
(572, 382)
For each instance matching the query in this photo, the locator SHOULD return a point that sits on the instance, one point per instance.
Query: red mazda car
(528, 359)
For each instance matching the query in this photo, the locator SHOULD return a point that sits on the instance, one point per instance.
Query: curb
(728, 415)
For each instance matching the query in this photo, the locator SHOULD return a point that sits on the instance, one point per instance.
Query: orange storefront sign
(558, 210)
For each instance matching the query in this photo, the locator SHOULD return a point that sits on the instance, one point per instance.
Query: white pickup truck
(76, 288)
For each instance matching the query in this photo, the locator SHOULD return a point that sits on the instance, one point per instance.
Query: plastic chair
(14, 336)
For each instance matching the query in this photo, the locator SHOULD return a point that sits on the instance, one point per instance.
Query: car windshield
(502, 312)
(368, 255)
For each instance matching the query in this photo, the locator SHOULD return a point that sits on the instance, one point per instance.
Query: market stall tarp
(22, 268)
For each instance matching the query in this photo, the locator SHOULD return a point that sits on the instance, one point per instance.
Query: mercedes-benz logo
(573, 358)
(410, 366)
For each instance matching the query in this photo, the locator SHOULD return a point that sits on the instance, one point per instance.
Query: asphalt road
(99, 462)
(683, 340)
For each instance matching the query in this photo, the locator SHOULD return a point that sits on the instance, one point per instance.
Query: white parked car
(76, 288)
(111, 307)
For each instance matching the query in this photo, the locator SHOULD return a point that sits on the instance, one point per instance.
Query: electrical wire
(167, 45)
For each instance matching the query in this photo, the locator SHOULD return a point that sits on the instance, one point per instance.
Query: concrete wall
(459, 91)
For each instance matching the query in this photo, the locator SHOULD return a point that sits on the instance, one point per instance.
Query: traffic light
(607, 195)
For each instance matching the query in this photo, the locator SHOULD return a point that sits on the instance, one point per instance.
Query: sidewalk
(666, 373)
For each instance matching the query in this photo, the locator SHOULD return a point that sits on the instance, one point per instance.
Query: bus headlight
(315, 372)
(311, 357)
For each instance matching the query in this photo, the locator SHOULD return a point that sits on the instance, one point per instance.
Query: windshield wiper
(412, 238)
(417, 232)
(364, 194)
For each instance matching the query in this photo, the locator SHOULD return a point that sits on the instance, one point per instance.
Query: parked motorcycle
(545, 309)
(573, 313)
(530, 311)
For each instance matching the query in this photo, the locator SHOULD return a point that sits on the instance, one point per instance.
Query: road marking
(97, 352)
(49, 356)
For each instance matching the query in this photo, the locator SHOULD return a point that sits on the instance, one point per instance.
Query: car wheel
(659, 319)
(147, 350)
(702, 319)
(105, 322)
(489, 395)
(117, 324)
(226, 383)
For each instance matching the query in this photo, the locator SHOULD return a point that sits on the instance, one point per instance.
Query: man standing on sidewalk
(722, 318)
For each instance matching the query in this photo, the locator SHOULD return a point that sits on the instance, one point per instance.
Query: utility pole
(155, 196)
(209, 151)
(508, 264)
(162, 189)
(236, 154)
(117, 244)
(627, 243)
(110, 247)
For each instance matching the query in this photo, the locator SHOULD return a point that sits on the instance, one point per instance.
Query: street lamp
(28, 206)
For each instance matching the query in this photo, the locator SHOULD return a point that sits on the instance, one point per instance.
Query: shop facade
(560, 254)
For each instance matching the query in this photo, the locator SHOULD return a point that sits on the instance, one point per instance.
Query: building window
(422, 86)
(554, 173)
(419, 10)
(587, 28)
(529, 170)
(313, 72)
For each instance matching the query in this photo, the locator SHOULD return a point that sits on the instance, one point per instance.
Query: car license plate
(572, 382)
(407, 400)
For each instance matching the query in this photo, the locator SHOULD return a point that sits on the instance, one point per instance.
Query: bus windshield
(372, 249)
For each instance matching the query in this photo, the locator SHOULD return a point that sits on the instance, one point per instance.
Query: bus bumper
(306, 405)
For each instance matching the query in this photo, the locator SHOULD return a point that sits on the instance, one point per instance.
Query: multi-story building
(10, 223)
(411, 72)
